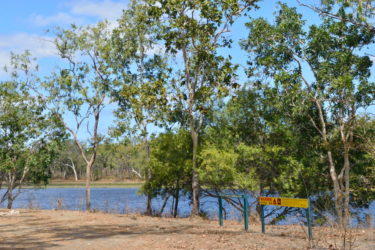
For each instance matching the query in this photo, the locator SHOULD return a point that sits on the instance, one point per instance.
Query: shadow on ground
(31, 232)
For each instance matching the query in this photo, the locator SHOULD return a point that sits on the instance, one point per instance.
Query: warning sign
(284, 202)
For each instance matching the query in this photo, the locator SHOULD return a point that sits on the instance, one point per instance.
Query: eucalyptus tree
(141, 70)
(80, 90)
(68, 161)
(27, 133)
(360, 13)
(321, 68)
(193, 31)
(120, 160)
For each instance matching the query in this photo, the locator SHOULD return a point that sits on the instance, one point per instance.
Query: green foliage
(359, 12)
(320, 77)
(87, 78)
(140, 69)
(162, 65)
(27, 133)
(363, 155)
(218, 167)
(123, 160)
(68, 157)
(196, 29)
(170, 164)
(80, 89)
(251, 146)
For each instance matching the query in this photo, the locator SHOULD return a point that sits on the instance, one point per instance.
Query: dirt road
(45, 229)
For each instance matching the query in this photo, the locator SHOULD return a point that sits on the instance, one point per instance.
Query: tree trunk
(148, 174)
(177, 195)
(149, 205)
(347, 139)
(194, 131)
(10, 197)
(163, 206)
(88, 191)
(347, 191)
(195, 180)
(74, 169)
(10, 200)
(336, 188)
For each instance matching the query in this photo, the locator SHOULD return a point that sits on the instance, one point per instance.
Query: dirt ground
(40, 229)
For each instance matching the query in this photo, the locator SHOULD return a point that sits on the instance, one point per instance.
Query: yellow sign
(284, 202)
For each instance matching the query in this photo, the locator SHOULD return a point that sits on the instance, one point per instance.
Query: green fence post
(309, 221)
(245, 209)
(262, 218)
(220, 211)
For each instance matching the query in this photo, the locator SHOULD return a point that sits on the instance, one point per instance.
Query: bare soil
(40, 229)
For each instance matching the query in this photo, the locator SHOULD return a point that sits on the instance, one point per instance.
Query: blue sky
(24, 24)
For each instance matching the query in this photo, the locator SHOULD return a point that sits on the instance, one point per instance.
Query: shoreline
(82, 184)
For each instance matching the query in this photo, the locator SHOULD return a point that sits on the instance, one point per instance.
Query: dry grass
(62, 229)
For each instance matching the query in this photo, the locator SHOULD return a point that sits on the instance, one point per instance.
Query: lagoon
(112, 200)
(127, 200)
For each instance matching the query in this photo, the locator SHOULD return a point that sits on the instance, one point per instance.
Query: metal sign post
(262, 218)
(220, 210)
(245, 209)
(287, 202)
(245, 212)
(309, 220)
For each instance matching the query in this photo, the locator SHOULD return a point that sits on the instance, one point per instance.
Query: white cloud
(106, 9)
(58, 19)
(79, 11)
(39, 46)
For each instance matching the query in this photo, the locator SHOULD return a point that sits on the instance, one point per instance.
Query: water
(113, 200)
(127, 200)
